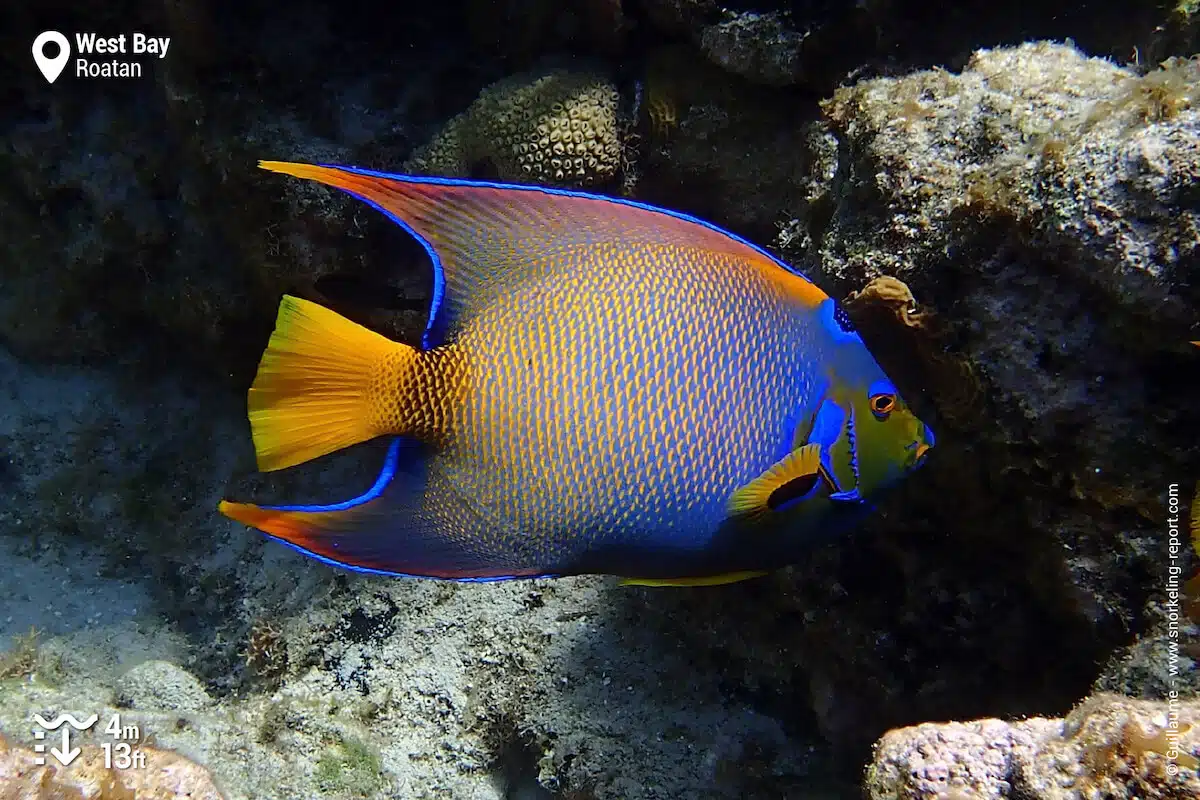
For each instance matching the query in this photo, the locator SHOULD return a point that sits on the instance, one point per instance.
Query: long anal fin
(410, 523)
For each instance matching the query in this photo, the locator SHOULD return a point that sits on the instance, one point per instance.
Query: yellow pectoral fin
(789, 474)
(708, 580)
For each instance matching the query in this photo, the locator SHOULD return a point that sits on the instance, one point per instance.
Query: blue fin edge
(385, 477)
(439, 278)
(386, 473)
(439, 283)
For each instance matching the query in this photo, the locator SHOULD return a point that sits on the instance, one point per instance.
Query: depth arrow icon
(66, 755)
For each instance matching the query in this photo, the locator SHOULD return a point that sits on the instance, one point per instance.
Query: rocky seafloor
(1003, 628)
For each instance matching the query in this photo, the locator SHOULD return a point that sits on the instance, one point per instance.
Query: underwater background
(1005, 194)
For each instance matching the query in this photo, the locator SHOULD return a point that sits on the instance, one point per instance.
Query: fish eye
(882, 405)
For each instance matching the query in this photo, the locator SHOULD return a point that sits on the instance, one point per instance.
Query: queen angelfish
(602, 387)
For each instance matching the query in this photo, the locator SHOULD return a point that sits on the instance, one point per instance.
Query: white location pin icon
(51, 67)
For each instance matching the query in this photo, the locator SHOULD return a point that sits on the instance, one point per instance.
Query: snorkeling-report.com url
(1176, 555)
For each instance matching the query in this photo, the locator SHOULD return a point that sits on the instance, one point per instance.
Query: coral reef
(1108, 746)
(1063, 146)
(556, 127)
(762, 46)
(756, 46)
(955, 759)
(1046, 188)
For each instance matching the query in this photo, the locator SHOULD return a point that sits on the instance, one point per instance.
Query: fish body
(603, 387)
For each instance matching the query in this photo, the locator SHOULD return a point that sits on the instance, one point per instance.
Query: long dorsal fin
(485, 237)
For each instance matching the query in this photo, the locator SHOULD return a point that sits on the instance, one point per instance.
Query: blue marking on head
(881, 387)
(430, 337)
(827, 428)
(835, 320)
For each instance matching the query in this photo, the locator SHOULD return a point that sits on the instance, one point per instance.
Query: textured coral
(556, 127)
(764, 47)
(1108, 746)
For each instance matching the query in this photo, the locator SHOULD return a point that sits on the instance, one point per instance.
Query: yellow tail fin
(321, 385)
